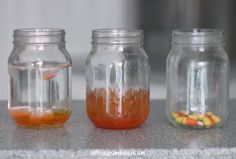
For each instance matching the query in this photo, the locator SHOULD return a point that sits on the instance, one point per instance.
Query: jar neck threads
(198, 37)
(117, 36)
(39, 36)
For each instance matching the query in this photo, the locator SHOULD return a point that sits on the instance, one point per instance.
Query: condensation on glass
(197, 79)
(117, 74)
(40, 78)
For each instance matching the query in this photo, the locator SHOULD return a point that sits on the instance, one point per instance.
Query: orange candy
(49, 73)
(20, 115)
(48, 77)
(50, 118)
(192, 122)
(113, 110)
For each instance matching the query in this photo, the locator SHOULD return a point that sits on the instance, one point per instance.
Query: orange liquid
(35, 119)
(112, 110)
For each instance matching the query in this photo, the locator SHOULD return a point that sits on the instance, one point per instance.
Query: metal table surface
(157, 138)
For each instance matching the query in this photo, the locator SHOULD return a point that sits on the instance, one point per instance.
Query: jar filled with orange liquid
(40, 78)
(117, 72)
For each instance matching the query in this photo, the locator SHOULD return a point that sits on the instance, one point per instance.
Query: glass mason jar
(40, 78)
(117, 74)
(197, 79)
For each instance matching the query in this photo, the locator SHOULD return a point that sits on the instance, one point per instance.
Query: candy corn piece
(191, 122)
(206, 120)
(183, 113)
(193, 116)
(174, 115)
(179, 119)
(215, 118)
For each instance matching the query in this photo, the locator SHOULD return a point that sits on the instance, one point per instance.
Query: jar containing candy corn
(40, 78)
(197, 79)
(117, 79)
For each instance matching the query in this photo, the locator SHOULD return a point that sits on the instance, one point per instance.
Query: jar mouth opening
(116, 33)
(38, 32)
(197, 32)
(117, 36)
(198, 36)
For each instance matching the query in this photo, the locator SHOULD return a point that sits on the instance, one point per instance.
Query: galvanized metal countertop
(157, 138)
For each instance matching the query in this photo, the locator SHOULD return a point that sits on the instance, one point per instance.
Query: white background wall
(79, 17)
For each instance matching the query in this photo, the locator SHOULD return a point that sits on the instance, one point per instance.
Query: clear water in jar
(40, 94)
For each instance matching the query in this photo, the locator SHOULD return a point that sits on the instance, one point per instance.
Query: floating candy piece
(48, 73)
(48, 76)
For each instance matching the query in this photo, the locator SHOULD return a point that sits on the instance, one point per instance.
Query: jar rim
(198, 36)
(116, 32)
(39, 36)
(38, 31)
(197, 32)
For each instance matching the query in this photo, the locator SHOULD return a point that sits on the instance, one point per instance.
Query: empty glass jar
(117, 79)
(40, 78)
(197, 79)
